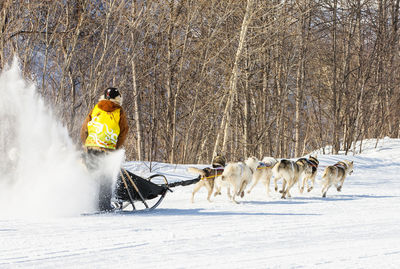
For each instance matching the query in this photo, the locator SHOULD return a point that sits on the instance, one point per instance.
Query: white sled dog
(238, 176)
(263, 173)
(313, 162)
(290, 172)
(335, 174)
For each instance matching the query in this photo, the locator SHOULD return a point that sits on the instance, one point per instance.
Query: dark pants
(93, 162)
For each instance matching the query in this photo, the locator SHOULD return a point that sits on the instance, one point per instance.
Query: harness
(262, 165)
(312, 163)
(340, 165)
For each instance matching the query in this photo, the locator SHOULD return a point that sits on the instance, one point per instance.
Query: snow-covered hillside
(44, 188)
(357, 228)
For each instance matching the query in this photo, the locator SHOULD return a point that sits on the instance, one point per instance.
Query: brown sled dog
(208, 176)
(313, 162)
(335, 175)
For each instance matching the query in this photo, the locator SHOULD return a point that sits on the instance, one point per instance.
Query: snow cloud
(41, 170)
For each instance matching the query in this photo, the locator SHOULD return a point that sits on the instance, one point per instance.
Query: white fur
(219, 184)
(263, 173)
(238, 176)
(334, 175)
(290, 175)
(117, 100)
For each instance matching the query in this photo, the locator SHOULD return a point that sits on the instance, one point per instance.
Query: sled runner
(132, 188)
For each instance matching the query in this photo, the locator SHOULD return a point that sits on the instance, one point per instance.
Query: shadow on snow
(206, 212)
(344, 197)
(203, 212)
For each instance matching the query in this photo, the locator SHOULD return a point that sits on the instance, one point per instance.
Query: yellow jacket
(105, 127)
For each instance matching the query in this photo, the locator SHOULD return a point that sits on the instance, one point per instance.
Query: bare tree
(226, 120)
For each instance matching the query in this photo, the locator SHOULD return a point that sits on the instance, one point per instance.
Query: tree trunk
(335, 91)
(226, 122)
(299, 84)
(136, 98)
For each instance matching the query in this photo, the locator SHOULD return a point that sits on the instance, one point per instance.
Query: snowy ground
(357, 228)
(44, 189)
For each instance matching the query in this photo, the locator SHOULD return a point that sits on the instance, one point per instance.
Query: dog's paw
(309, 189)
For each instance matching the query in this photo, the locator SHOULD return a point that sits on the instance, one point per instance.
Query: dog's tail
(269, 161)
(275, 167)
(195, 170)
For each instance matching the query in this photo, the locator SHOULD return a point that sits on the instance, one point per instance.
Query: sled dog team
(236, 176)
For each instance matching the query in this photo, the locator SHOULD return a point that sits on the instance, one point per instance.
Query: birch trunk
(335, 97)
(136, 99)
(299, 88)
(225, 123)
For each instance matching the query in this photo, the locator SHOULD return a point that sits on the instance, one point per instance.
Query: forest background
(201, 77)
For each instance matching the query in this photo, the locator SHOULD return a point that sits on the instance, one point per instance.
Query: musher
(104, 130)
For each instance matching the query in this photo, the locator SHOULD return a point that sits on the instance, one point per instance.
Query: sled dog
(263, 173)
(237, 175)
(208, 176)
(290, 172)
(313, 162)
(335, 175)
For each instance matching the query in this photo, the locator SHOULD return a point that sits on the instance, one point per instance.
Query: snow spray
(41, 170)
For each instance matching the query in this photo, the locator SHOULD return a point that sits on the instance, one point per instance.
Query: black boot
(105, 195)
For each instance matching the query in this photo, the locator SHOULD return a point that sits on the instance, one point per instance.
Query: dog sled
(144, 193)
